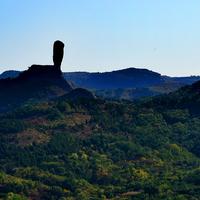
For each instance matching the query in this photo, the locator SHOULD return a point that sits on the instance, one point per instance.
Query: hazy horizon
(102, 35)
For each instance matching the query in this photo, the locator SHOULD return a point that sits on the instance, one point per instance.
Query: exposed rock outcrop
(58, 52)
(39, 83)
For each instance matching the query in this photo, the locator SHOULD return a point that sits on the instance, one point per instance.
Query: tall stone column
(58, 52)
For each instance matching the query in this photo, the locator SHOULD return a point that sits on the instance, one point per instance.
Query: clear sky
(102, 35)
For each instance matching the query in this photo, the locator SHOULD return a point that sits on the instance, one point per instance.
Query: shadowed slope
(187, 97)
(36, 84)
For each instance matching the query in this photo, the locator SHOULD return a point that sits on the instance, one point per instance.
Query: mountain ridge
(131, 71)
(128, 83)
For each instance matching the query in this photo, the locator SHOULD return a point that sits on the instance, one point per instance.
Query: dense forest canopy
(98, 149)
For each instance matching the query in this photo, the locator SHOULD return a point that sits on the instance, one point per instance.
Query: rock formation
(58, 52)
(38, 83)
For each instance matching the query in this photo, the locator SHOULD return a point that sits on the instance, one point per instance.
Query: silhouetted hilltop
(137, 72)
(186, 80)
(9, 74)
(35, 84)
(43, 71)
(126, 78)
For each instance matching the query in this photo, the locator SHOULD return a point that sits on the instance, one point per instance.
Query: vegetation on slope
(100, 150)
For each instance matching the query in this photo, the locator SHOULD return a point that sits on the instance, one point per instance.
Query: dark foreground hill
(187, 97)
(95, 149)
(130, 83)
(38, 83)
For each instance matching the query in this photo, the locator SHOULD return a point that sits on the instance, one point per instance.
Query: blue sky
(102, 35)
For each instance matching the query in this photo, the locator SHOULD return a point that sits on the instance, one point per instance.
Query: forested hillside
(96, 149)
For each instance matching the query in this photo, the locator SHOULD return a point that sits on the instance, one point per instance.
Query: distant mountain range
(9, 74)
(129, 83)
